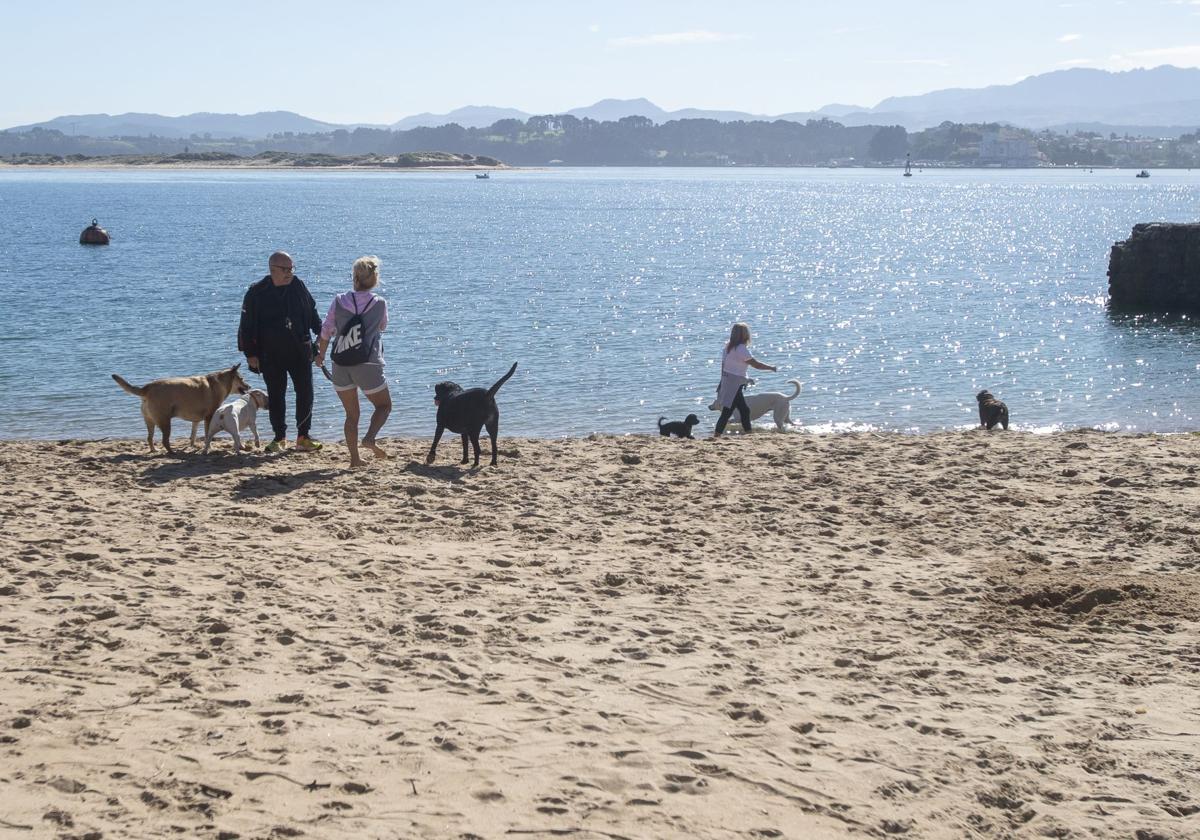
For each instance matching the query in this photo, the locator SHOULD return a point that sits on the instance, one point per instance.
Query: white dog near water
(760, 404)
(237, 416)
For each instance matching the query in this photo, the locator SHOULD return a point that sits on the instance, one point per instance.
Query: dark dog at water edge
(465, 413)
(991, 411)
(679, 428)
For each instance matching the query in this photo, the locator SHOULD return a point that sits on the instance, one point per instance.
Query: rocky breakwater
(1157, 269)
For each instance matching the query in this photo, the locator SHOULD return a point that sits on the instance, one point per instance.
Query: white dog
(760, 404)
(237, 416)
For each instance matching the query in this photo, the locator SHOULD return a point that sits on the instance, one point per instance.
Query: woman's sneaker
(276, 446)
(307, 444)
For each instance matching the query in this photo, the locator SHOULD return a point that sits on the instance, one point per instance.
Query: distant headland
(630, 141)
(262, 160)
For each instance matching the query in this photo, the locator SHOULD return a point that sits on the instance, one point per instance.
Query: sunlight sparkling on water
(893, 300)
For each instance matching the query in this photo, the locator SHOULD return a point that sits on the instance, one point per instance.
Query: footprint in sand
(677, 783)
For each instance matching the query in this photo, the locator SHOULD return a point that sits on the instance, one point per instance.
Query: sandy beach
(956, 635)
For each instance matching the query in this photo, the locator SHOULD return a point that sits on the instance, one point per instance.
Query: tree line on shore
(638, 141)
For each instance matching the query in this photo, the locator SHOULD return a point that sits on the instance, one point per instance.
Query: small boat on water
(1142, 174)
(907, 166)
(482, 175)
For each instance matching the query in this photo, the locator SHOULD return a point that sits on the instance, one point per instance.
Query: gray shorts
(368, 376)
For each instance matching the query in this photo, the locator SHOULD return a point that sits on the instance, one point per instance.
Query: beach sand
(785, 635)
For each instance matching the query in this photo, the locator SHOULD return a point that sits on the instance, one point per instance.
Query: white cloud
(674, 39)
(1066, 39)
(1075, 62)
(1183, 56)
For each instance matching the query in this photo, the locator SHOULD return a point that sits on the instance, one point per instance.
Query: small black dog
(991, 411)
(679, 428)
(466, 412)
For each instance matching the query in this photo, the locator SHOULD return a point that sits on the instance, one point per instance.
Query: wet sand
(945, 636)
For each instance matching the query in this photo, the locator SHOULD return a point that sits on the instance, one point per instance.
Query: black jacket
(274, 315)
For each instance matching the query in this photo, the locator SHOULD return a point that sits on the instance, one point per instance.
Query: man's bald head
(282, 268)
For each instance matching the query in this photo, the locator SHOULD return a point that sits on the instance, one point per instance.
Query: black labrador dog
(465, 413)
(991, 411)
(679, 428)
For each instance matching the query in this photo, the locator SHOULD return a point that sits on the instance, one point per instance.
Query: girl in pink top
(734, 361)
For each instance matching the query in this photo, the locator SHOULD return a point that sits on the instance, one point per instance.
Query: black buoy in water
(93, 234)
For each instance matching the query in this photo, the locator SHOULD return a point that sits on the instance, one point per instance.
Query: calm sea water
(893, 300)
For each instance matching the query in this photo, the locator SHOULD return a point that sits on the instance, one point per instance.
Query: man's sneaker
(276, 446)
(307, 444)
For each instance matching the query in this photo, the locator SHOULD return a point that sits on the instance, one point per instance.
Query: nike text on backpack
(349, 348)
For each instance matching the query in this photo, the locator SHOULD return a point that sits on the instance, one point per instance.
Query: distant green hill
(631, 141)
(411, 160)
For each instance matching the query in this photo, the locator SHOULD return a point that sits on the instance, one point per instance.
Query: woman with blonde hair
(735, 358)
(355, 321)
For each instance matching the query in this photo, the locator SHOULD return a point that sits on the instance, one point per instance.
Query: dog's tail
(492, 391)
(795, 393)
(660, 422)
(133, 389)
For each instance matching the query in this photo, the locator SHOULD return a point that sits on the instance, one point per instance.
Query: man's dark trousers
(278, 363)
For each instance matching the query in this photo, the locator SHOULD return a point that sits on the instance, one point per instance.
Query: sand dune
(946, 636)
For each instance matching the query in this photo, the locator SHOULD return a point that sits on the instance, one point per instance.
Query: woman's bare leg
(382, 400)
(349, 399)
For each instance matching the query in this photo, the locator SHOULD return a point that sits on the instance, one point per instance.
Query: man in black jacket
(279, 318)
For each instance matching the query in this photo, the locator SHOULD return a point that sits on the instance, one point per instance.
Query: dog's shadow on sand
(262, 486)
(453, 474)
(119, 459)
(172, 467)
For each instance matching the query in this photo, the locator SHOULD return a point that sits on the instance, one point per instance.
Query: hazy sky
(363, 61)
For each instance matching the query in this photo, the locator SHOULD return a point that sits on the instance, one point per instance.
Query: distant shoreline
(231, 167)
(113, 164)
(411, 161)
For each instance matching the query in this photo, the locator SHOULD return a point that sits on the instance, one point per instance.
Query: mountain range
(261, 124)
(1164, 100)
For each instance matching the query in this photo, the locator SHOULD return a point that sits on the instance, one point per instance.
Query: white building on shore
(1005, 147)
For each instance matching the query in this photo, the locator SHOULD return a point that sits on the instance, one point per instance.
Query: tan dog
(192, 398)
